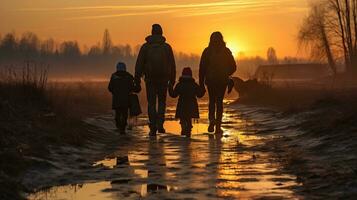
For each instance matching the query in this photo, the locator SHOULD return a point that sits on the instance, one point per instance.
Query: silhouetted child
(121, 86)
(187, 107)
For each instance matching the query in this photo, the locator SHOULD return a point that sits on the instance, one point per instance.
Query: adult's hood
(186, 79)
(155, 39)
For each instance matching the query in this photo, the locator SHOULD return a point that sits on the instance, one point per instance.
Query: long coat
(187, 90)
(216, 65)
(121, 85)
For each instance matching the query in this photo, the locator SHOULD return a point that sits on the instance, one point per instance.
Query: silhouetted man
(157, 64)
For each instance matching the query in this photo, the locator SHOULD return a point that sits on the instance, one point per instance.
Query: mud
(236, 165)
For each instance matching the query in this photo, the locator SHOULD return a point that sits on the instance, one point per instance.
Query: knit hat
(121, 66)
(187, 72)
(156, 29)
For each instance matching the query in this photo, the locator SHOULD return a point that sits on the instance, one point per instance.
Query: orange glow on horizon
(250, 26)
(235, 48)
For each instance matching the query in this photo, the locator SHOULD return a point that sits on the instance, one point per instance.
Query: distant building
(292, 72)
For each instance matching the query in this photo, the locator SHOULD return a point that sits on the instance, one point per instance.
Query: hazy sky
(247, 25)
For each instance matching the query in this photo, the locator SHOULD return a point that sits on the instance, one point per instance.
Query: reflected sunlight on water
(206, 166)
(77, 191)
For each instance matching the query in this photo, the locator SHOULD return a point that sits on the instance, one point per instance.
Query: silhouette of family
(156, 65)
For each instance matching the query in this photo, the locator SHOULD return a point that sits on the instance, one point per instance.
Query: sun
(235, 48)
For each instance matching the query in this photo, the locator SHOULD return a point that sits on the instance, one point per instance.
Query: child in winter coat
(187, 107)
(121, 86)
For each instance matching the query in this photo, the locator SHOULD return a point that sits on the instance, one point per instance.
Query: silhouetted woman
(217, 64)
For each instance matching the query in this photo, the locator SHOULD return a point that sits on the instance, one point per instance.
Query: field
(41, 117)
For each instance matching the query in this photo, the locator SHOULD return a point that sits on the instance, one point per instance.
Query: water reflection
(93, 191)
(206, 166)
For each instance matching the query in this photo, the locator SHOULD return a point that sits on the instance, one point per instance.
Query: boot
(183, 132)
(152, 132)
(211, 127)
(188, 133)
(122, 131)
(161, 129)
(218, 129)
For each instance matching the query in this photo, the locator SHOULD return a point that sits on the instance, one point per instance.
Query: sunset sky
(250, 26)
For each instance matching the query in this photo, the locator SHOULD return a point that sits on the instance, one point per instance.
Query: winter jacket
(216, 65)
(156, 61)
(187, 90)
(121, 85)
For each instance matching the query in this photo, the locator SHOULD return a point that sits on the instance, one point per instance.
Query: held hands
(137, 85)
(171, 89)
(202, 91)
(171, 84)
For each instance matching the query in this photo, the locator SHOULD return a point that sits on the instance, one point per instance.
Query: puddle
(77, 191)
(203, 167)
(99, 191)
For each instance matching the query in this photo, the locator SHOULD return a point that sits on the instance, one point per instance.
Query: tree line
(68, 57)
(30, 46)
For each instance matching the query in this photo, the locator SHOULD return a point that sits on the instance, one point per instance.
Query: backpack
(156, 67)
(217, 66)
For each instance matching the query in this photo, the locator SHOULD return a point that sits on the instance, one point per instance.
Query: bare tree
(344, 13)
(29, 44)
(330, 31)
(94, 51)
(47, 47)
(271, 56)
(313, 35)
(107, 43)
(8, 45)
(70, 49)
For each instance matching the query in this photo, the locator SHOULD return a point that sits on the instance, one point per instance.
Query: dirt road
(236, 165)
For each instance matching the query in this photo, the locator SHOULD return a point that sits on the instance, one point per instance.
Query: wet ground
(235, 165)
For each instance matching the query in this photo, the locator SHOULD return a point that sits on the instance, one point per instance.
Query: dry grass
(35, 113)
(22, 98)
(23, 83)
(296, 99)
(79, 99)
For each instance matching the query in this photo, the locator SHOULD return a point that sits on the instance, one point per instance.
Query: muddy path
(236, 165)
